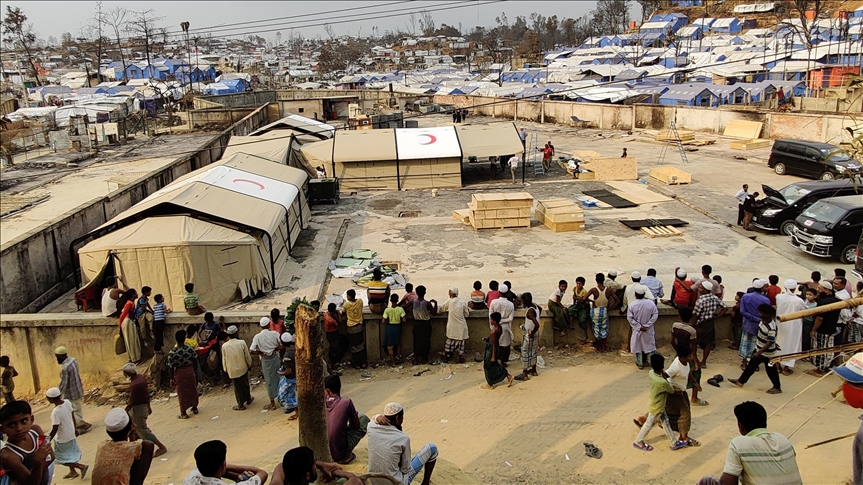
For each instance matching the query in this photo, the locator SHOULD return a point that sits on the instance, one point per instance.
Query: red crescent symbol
(432, 139)
(261, 186)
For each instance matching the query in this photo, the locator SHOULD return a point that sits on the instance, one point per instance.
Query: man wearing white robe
(642, 315)
(789, 336)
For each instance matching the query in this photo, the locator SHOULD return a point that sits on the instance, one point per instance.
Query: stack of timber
(670, 175)
(499, 211)
(606, 168)
(668, 135)
(560, 215)
(661, 231)
(750, 144)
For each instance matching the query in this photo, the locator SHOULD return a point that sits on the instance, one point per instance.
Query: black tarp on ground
(613, 200)
(639, 223)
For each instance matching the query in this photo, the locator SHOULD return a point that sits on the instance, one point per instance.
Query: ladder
(535, 154)
(676, 140)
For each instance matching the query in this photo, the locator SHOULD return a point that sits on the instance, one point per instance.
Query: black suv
(779, 208)
(810, 159)
(830, 228)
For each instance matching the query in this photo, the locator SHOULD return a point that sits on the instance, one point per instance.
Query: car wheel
(827, 176)
(849, 254)
(787, 228)
(779, 168)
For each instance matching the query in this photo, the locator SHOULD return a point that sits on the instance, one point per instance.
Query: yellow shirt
(578, 294)
(192, 343)
(354, 311)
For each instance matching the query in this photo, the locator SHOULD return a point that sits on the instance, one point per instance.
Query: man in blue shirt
(751, 319)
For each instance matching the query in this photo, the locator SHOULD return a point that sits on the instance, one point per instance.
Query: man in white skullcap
(507, 314)
(71, 386)
(611, 281)
(628, 298)
(123, 460)
(66, 450)
(682, 291)
(708, 307)
(642, 315)
(456, 325)
(138, 406)
(236, 362)
(789, 336)
(266, 345)
(749, 304)
(390, 448)
(824, 330)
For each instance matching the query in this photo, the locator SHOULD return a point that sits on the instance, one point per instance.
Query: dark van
(830, 228)
(779, 208)
(810, 159)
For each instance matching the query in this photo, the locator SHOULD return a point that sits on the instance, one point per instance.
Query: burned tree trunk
(312, 414)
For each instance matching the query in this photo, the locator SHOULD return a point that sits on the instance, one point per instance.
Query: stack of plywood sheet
(498, 211)
(750, 144)
(560, 215)
(747, 130)
(668, 135)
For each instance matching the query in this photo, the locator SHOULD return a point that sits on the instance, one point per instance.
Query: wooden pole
(311, 410)
(839, 305)
(809, 353)
(800, 393)
(813, 445)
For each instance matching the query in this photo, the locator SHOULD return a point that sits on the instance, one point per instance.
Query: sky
(52, 18)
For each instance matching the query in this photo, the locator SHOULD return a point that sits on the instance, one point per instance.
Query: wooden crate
(750, 144)
(501, 201)
(560, 226)
(499, 223)
(560, 215)
(670, 175)
(515, 212)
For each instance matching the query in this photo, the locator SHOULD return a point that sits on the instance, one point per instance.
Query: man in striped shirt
(71, 387)
(766, 341)
(757, 456)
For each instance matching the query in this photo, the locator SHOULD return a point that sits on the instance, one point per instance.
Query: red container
(853, 394)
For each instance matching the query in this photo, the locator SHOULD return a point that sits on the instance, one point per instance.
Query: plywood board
(612, 168)
(750, 144)
(556, 202)
(670, 175)
(498, 223)
(743, 129)
(584, 154)
(637, 192)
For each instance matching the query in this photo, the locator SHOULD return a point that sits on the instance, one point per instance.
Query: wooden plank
(462, 214)
(674, 231)
(750, 144)
(564, 226)
(648, 231)
(744, 129)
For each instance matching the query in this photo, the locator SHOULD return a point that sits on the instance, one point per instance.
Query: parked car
(810, 159)
(858, 262)
(780, 208)
(830, 228)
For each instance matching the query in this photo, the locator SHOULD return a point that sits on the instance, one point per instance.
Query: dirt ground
(529, 433)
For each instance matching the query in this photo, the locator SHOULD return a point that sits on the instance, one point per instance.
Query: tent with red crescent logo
(227, 227)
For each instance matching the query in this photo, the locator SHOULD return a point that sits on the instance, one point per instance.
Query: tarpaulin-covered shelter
(409, 158)
(227, 227)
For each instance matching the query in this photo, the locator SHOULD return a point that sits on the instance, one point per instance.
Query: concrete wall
(302, 107)
(30, 339)
(37, 266)
(808, 126)
(239, 100)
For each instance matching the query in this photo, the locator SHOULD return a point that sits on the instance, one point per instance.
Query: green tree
(20, 34)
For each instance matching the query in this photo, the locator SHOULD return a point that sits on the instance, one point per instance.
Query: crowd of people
(758, 337)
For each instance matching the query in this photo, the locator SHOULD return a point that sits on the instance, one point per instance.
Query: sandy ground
(533, 426)
(85, 184)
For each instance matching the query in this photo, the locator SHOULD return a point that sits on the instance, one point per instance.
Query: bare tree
(648, 6)
(20, 34)
(115, 19)
(551, 26)
(143, 24)
(806, 27)
(412, 24)
(427, 24)
(610, 16)
(330, 32)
